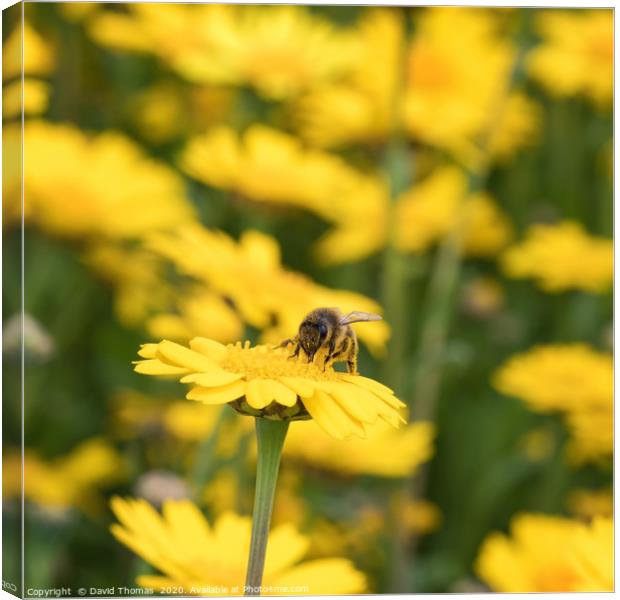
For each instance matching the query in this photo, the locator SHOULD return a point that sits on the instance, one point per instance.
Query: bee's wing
(358, 315)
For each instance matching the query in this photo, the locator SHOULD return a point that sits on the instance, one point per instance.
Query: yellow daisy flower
(433, 208)
(457, 89)
(267, 165)
(37, 60)
(263, 381)
(558, 377)
(197, 558)
(279, 50)
(385, 452)
(67, 187)
(425, 214)
(572, 379)
(576, 55)
(549, 554)
(38, 56)
(359, 108)
(561, 257)
(71, 480)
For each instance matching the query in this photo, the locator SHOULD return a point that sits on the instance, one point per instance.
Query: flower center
(556, 579)
(269, 363)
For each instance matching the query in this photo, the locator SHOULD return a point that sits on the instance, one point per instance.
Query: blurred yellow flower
(197, 310)
(77, 11)
(359, 108)
(549, 554)
(425, 214)
(249, 274)
(266, 382)
(35, 98)
(222, 492)
(483, 297)
(38, 56)
(204, 559)
(77, 185)
(573, 379)
(359, 217)
(168, 111)
(588, 504)
(137, 277)
(592, 434)
(576, 55)
(561, 257)
(12, 148)
(558, 377)
(278, 50)
(144, 297)
(594, 552)
(72, 480)
(385, 453)
(267, 165)
(418, 516)
(38, 61)
(440, 203)
(457, 91)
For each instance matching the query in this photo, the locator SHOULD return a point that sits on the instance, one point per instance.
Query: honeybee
(326, 333)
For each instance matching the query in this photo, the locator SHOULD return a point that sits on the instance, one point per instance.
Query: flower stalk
(270, 436)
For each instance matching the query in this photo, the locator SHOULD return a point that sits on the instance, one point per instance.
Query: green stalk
(270, 436)
(398, 165)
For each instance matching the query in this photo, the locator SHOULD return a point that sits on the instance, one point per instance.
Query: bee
(327, 333)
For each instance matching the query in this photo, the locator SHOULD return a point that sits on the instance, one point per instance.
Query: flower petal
(302, 387)
(212, 379)
(326, 412)
(219, 395)
(210, 348)
(157, 367)
(324, 576)
(184, 357)
(148, 350)
(255, 394)
(356, 401)
(280, 393)
(384, 392)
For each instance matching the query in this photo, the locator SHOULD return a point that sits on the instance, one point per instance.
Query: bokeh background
(220, 170)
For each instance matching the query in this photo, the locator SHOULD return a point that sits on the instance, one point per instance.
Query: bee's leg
(296, 353)
(330, 353)
(284, 343)
(352, 356)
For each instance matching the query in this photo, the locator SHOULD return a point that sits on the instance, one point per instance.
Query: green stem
(270, 436)
(398, 165)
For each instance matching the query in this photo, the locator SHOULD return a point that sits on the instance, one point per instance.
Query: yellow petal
(385, 393)
(210, 348)
(148, 351)
(302, 387)
(255, 395)
(326, 412)
(156, 367)
(212, 379)
(280, 393)
(182, 356)
(220, 395)
(326, 576)
(357, 402)
(286, 547)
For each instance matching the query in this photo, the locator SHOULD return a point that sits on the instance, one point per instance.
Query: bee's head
(312, 334)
